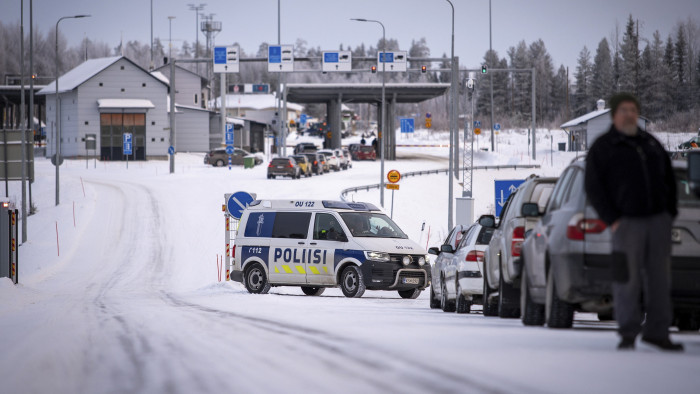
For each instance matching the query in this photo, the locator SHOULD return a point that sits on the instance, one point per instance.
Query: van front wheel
(352, 282)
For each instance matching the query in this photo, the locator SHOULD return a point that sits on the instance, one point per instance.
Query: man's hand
(615, 225)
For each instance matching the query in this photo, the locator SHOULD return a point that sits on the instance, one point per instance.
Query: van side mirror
(487, 221)
(447, 249)
(434, 251)
(531, 210)
(694, 172)
(342, 237)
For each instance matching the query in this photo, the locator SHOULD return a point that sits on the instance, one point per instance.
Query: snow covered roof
(82, 73)
(254, 101)
(237, 121)
(585, 118)
(161, 77)
(191, 107)
(124, 103)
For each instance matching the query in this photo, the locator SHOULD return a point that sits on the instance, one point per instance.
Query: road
(129, 309)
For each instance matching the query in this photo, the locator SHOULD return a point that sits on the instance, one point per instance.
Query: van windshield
(371, 225)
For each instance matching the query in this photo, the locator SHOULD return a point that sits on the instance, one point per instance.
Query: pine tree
(583, 102)
(559, 95)
(629, 68)
(542, 62)
(680, 60)
(520, 82)
(602, 78)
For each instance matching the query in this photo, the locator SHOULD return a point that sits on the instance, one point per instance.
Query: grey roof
(364, 92)
(585, 118)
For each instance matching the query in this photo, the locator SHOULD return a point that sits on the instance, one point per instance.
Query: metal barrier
(355, 189)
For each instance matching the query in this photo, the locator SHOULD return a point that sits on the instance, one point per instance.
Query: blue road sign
(229, 134)
(219, 55)
(497, 126)
(274, 54)
(303, 118)
(389, 57)
(407, 125)
(477, 123)
(126, 144)
(428, 115)
(229, 150)
(330, 57)
(503, 189)
(237, 202)
(171, 150)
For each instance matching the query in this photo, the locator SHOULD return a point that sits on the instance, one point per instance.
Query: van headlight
(377, 256)
(422, 260)
(406, 260)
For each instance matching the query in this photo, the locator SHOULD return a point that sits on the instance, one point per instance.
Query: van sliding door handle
(312, 243)
(301, 243)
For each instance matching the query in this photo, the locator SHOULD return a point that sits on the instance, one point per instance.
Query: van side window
(327, 228)
(576, 187)
(559, 190)
(291, 225)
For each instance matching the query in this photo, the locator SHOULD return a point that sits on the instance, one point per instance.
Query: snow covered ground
(132, 304)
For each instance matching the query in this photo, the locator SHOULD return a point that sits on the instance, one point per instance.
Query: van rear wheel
(411, 294)
(352, 282)
(255, 280)
(313, 291)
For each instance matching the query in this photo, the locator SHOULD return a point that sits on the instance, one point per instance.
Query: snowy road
(133, 305)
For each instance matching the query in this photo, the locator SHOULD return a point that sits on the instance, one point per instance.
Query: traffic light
(484, 70)
(423, 69)
(374, 69)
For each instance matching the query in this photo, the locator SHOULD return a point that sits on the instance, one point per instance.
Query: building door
(112, 128)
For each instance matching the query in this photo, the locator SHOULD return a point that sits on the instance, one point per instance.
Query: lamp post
(57, 109)
(196, 9)
(453, 131)
(491, 79)
(152, 64)
(172, 93)
(383, 122)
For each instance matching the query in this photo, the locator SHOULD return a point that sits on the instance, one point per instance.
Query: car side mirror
(531, 210)
(447, 249)
(342, 238)
(487, 221)
(694, 172)
(434, 251)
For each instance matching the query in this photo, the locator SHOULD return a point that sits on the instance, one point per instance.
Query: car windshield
(280, 162)
(371, 225)
(686, 197)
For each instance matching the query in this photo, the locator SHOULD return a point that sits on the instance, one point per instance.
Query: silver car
(444, 257)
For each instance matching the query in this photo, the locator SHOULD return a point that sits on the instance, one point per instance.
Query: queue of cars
(308, 160)
(549, 255)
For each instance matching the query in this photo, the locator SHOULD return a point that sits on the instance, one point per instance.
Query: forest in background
(663, 72)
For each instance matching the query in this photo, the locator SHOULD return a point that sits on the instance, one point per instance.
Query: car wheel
(434, 301)
(508, 302)
(445, 304)
(272, 176)
(606, 316)
(313, 291)
(490, 307)
(352, 282)
(411, 294)
(688, 321)
(462, 304)
(532, 314)
(219, 163)
(255, 280)
(559, 313)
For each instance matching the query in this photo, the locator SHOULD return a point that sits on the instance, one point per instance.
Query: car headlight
(377, 256)
(422, 260)
(406, 260)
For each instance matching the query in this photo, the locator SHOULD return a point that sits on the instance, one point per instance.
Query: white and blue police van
(320, 244)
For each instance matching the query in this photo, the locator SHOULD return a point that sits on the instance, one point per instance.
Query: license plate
(411, 281)
(280, 166)
(676, 235)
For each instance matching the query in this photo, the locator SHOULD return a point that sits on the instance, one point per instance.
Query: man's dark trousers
(646, 242)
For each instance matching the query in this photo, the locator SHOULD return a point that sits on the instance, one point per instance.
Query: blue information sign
(503, 189)
(126, 144)
(389, 56)
(171, 150)
(303, 118)
(407, 125)
(220, 55)
(274, 54)
(237, 202)
(229, 134)
(229, 150)
(330, 57)
(497, 126)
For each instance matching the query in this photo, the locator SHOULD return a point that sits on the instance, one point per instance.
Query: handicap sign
(229, 150)
(126, 144)
(503, 189)
(407, 125)
(497, 126)
(171, 150)
(237, 202)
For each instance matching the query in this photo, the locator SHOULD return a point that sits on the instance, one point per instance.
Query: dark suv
(283, 167)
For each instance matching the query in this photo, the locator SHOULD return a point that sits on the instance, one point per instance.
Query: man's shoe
(626, 344)
(664, 344)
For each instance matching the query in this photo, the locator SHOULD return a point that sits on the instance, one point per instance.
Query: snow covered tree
(680, 62)
(602, 83)
(583, 102)
(629, 50)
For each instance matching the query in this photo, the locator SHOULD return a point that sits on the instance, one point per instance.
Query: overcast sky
(564, 25)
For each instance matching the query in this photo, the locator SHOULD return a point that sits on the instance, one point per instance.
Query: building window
(153, 123)
(122, 67)
(143, 84)
(86, 123)
(195, 99)
(153, 140)
(162, 140)
(123, 90)
(101, 84)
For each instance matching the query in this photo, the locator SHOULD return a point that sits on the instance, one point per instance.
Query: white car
(332, 158)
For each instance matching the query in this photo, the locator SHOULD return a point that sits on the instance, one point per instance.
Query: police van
(320, 244)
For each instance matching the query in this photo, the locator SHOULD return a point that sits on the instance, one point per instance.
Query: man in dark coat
(630, 183)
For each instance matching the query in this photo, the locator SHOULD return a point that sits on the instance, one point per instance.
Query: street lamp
(196, 9)
(58, 129)
(383, 129)
(453, 132)
(172, 93)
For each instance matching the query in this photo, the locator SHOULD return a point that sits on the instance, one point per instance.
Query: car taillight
(578, 227)
(290, 165)
(315, 162)
(269, 165)
(516, 244)
(475, 255)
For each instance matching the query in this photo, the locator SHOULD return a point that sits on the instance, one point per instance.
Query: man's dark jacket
(629, 176)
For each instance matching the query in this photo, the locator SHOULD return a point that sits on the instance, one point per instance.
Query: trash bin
(249, 162)
(562, 147)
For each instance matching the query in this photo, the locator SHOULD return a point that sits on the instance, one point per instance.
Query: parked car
(691, 143)
(683, 154)
(461, 279)
(352, 148)
(444, 255)
(219, 157)
(316, 160)
(332, 159)
(502, 257)
(348, 157)
(365, 152)
(344, 164)
(304, 164)
(283, 167)
(305, 147)
(325, 165)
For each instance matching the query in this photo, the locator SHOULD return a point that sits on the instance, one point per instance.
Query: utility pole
(23, 124)
(453, 132)
(491, 78)
(196, 9)
(152, 64)
(31, 85)
(172, 95)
